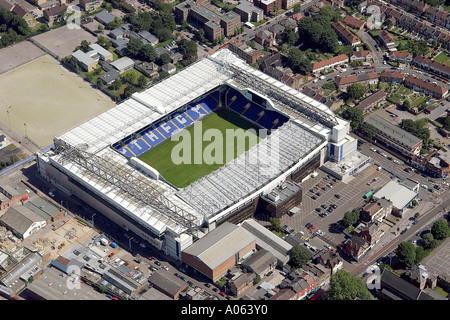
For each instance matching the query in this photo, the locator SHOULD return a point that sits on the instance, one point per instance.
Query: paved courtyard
(439, 260)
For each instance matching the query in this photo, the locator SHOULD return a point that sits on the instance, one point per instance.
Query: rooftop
(394, 131)
(399, 195)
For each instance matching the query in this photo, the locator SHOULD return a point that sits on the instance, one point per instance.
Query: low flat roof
(397, 193)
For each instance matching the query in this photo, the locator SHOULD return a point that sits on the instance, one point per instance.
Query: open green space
(443, 58)
(182, 175)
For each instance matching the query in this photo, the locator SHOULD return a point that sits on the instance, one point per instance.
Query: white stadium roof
(96, 135)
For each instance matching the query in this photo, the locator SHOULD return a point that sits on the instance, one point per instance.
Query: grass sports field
(182, 175)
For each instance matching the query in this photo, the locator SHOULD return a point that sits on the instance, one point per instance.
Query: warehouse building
(219, 250)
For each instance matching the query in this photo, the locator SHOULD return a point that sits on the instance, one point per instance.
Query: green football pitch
(181, 175)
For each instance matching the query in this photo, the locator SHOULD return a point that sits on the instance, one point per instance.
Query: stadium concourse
(97, 161)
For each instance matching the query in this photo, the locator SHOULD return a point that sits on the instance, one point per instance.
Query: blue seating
(161, 131)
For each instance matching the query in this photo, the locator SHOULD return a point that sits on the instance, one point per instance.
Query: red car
(312, 228)
(407, 169)
(114, 298)
(222, 294)
(111, 254)
(372, 67)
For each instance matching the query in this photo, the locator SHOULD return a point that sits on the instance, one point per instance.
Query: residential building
(248, 12)
(219, 250)
(25, 15)
(428, 64)
(392, 76)
(331, 260)
(367, 79)
(244, 51)
(287, 4)
(182, 9)
(428, 88)
(353, 22)
(230, 22)
(371, 232)
(284, 294)
(104, 17)
(363, 55)
(356, 247)
(386, 39)
(265, 38)
(402, 57)
(116, 33)
(395, 137)
(329, 63)
(319, 273)
(123, 64)
(54, 14)
(147, 37)
(376, 210)
(345, 35)
(90, 5)
(239, 284)
(109, 77)
(169, 68)
(372, 101)
(268, 6)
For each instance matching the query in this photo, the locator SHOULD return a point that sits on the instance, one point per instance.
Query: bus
(368, 194)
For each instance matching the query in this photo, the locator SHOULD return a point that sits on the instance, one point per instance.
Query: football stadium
(121, 162)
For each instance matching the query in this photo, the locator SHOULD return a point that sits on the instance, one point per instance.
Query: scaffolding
(114, 175)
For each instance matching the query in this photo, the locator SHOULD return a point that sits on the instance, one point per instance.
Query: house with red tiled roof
(436, 91)
(386, 38)
(403, 57)
(389, 76)
(329, 63)
(434, 66)
(369, 78)
(345, 35)
(353, 22)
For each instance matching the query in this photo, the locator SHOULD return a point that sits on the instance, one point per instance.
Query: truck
(104, 241)
(314, 174)
(368, 194)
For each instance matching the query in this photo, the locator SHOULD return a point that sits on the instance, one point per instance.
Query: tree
(142, 82)
(13, 159)
(117, 22)
(134, 47)
(298, 61)
(406, 253)
(447, 123)
(299, 257)
(275, 224)
(105, 43)
(163, 34)
(355, 91)
(429, 242)
(257, 279)
(100, 28)
(368, 130)
(297, 8)
(84, 46)
(406, 104)
(184, 25)
(351, 217)
(440, 230)
(147, 53)
(163, 59)
(188, 48)
(344, 286)
(355, 116)
(417, 215)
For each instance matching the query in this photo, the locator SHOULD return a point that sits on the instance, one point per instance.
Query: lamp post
(25, 125)
(129, 243)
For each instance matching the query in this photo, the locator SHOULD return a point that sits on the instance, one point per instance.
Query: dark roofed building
(260, 262)
(395, 288)
(369, 103)
(167, 283)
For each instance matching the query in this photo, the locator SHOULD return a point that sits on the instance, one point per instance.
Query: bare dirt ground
(42, 100)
